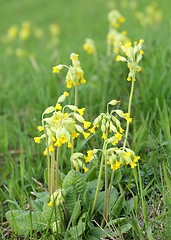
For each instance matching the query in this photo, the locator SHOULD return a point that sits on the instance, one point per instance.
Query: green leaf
(75, 179)
(76, 213)
(97, 233)
(76, 231)
(117, 208)
(23, 221)
(117, 177)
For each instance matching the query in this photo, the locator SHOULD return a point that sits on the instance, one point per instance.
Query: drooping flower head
(75, 74)
(133, 55)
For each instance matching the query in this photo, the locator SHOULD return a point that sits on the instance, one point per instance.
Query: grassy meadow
(29, 86)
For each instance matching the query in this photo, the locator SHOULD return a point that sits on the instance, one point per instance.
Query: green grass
(26, 91)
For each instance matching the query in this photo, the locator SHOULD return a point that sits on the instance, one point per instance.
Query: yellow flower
(37, 139)
(50, 204)
(92, 130)
(83, 81)
(86, 124)
(57, 68)
(85, 169)
(51, 149)
(74, 56)
(69, 84)
(53, 139)
(86, 135)
(66, 94)
(133, 164)
(69, 145)
(45, 152)
(118, 58)
(58, 143)
(127, 117)
(116, 165)
(40, 128)
(81, 111)
(74, 135)
(58, 106)
(63, 139)
(104, 136)
(89, 156)
(136, 158)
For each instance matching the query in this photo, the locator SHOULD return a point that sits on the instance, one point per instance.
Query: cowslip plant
(86, 192)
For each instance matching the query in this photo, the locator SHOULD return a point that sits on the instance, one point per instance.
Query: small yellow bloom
(63, 139)
(58, 143)
(127, 117)
(40, 128)
(51, 149)
(139, 69)
(85, 169)
(136, 158)
(104, 136)
(58, 106)
(116, 165)
(86, 124)
(66, 94)
(128, 45)
(50, 204)
(74, 135)
(128, 79)
(141, 52)
(86, 135)
(83, 81)
(121, 130)
(133, 164)
(45, 152)
(37, 139)
(74, 56)
(53, 139)
(118, 58)
(81, 111)
(69, 145)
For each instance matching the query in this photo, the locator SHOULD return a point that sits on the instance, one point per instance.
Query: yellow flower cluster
(75, 74)
(133, 57)
(114, 37)
(77, 160)
(119, 157)
(61, 127)
(151, 16)
(110, 124)
(57, 198)
(115, 18)
(89, 46)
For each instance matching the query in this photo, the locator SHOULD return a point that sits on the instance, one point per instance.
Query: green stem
(49, 174)
(52, 171)
(76, 96)
(98, 184)
(129, 111)
(110, 187)
(106, 192)
(57, 168)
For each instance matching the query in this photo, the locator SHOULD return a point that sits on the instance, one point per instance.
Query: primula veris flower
(115, 18)
(62, 127)
(89, 46)
(37, 139)
(57, 198)
(133, 55)
(57, 68)
(12, 33)
(40, 128)
(75, 74)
